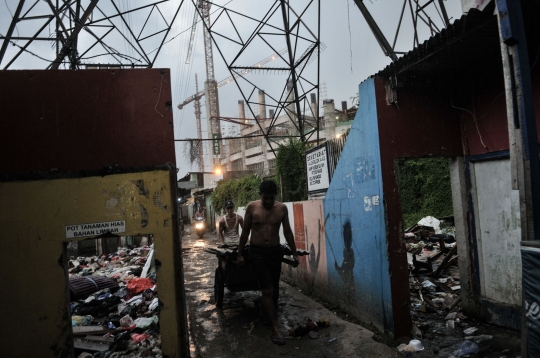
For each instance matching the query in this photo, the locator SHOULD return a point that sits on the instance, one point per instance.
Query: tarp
(82, 287)
(530, 257)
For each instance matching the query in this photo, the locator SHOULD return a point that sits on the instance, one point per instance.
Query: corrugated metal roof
(467, 46)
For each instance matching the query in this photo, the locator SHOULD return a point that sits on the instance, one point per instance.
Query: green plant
(291, 167)
(240, 191)
(424, 189)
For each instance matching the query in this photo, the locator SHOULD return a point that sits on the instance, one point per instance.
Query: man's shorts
(266, 265)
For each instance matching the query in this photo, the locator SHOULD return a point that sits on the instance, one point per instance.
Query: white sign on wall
(94, 229)
(318, 178)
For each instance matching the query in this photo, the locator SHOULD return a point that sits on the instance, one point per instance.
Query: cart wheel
(219, 287)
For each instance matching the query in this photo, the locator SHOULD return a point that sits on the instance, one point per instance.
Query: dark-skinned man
(263, 219)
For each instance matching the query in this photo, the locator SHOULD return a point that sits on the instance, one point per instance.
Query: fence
(334, 147)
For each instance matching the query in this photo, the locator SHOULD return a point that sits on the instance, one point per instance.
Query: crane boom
(192, 38)
(199, 129)
(200, 94)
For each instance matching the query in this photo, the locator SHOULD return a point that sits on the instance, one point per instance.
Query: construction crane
(199, 130)
(210, 85)
(230, 79)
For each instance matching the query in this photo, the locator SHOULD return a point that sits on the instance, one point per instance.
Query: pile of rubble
(114, 305)
(435, 288)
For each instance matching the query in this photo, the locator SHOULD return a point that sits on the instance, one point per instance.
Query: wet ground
(237, 331)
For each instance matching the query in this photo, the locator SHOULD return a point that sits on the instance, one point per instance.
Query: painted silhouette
(314, 259)
(345, 271)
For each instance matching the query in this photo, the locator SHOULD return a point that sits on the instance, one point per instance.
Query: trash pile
(114, 305)
(435, 290)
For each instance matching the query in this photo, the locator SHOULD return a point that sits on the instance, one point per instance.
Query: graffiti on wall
(309, 233)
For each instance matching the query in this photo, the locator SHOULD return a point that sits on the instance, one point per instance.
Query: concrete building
(255, 155)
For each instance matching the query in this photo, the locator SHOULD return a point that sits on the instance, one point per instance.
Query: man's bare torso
(265, 223)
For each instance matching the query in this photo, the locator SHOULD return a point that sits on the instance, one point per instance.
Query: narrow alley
(236, 329)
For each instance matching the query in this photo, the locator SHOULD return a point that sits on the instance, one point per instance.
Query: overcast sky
(351, 54)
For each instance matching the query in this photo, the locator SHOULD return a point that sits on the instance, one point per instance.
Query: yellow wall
(33, 216)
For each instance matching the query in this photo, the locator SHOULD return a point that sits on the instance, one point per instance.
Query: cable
(5, 2)
(475, 120)
(350, 36)
(160, 87)
(30, 52)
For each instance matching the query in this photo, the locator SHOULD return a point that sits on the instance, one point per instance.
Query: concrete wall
(309, 232)
(498, 231)
(354, 221)
(35, 292)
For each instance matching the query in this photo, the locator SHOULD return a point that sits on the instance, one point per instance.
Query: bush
(240, 191)
(291, 165)
(424, 189)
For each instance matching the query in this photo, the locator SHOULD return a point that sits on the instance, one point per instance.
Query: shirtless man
(263, 219)
(228, 225)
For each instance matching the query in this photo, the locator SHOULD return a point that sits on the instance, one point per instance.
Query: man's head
(267, 193)
(229, 206)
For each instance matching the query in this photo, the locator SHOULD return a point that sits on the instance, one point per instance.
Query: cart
(236, 278)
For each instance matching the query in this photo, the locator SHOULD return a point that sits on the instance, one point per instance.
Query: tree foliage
(291, 166)
(240, 191)
(424, 188)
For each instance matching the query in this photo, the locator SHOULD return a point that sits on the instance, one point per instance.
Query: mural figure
(314, 260)
(345, 271)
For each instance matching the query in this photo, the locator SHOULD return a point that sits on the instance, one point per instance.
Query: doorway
(431, 249)
(113, 299)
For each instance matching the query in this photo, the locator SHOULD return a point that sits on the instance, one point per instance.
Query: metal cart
(236, 278)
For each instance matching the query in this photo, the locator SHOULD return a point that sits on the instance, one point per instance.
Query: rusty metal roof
(470, 45)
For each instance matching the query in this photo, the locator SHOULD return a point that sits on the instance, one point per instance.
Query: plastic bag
(137, 338)
(145, 323)
(466, 348)
(126, 321)
(81, 320)
(138, 284)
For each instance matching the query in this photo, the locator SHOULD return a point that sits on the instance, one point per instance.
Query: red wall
(489, 106)
(423, 125)
(85, 120)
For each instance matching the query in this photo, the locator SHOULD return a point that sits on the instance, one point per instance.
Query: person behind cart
(263, 219)
(228, 232)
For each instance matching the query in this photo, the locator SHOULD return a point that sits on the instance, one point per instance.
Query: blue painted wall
(356, 247)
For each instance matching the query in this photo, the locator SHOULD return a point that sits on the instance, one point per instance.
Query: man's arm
(246, 228)
(221, 228)
(289, 236)
(241, 221)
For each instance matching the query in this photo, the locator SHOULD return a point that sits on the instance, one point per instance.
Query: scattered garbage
(466, 348)
(470, 330)
(480, 338)
(114, 310)
(416, 344)
(308, 327)
(432, 222)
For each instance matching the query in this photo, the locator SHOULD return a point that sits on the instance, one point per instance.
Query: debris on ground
(114, 304)
(435, 290)
(309, 327)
